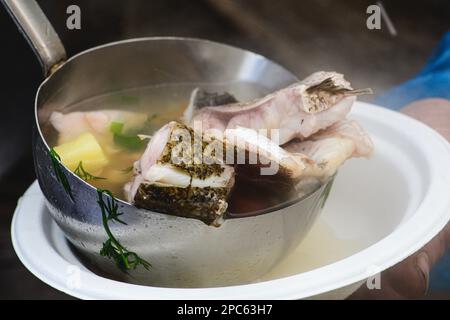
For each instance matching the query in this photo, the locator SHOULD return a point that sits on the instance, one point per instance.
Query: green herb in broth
(125, 260)
(116, 127)
(83, 174)
(130, 142)
(60, 175)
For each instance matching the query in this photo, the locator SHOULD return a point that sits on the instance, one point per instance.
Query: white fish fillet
(260, 155)
(73, 124)
(330, 148)
(297, 111)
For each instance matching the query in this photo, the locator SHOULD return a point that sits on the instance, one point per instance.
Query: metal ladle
(183, 252)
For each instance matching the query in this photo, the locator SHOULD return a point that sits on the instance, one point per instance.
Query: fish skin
(297, 111)
(201, 98)
(205, 204)
(330, 148)
(199, 192)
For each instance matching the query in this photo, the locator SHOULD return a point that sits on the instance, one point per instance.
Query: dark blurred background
(304, 36)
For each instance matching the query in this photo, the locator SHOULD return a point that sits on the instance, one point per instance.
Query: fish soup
(283, 144)
(109, 133)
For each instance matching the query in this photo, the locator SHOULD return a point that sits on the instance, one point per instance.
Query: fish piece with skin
(248, 147)
(169, 179)
(314, 159)
(73, 124)
(201, 98)
(259, 161)
(257, 155)
(330, 148)
(297, 111)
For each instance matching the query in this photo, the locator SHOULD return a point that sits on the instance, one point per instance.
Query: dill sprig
(125, 260)
(83, 174)
(59, 172)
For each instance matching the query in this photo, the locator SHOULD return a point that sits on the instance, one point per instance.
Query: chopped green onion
(116, 127)
(132, 143)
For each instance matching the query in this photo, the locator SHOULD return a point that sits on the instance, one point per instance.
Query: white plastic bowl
(386, 207)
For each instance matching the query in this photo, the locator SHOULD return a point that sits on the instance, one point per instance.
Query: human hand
(409, 279)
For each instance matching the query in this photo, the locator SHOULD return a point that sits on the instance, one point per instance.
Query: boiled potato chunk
(85, 149)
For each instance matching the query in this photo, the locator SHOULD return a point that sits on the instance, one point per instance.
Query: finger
(433, 112)
(410, 278)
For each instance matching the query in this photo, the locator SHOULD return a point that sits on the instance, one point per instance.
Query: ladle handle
(38, 31)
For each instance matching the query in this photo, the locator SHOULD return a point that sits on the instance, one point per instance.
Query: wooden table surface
(304, 36)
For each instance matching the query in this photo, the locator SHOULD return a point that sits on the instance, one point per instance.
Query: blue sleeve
(432, 82)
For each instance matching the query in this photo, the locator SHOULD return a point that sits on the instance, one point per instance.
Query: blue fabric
(440, 275)
(432, 82)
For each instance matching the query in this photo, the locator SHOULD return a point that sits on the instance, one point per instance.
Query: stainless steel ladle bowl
(183, 252)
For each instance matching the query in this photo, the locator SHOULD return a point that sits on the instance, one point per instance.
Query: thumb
(409, 279)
